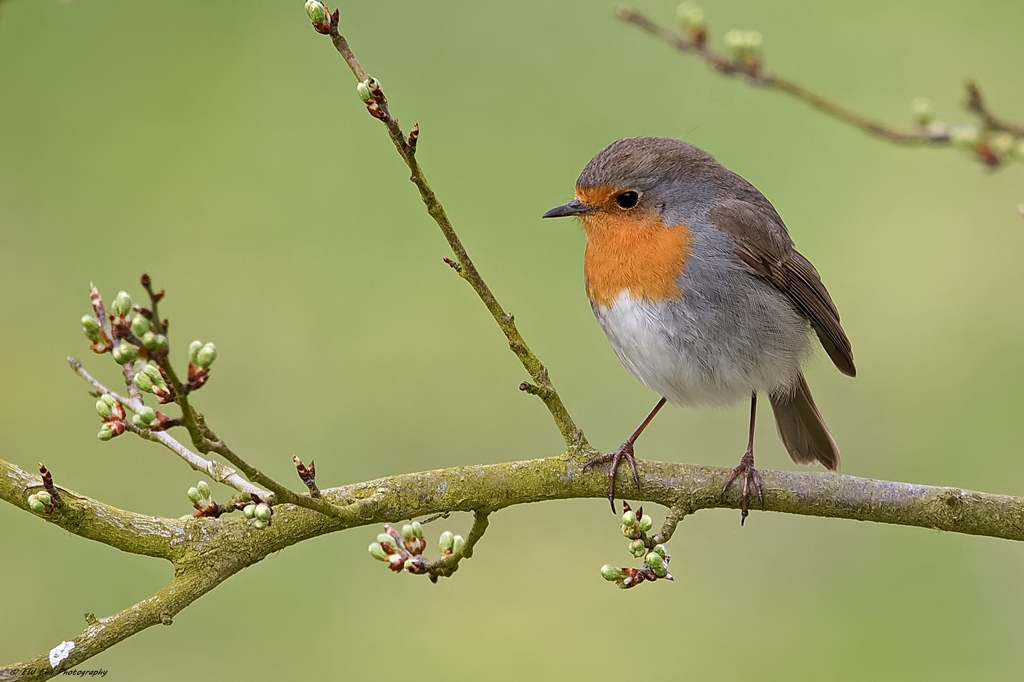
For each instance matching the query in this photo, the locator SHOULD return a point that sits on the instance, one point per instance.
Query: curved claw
(625, 451)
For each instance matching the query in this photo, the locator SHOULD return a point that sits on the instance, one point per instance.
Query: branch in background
(994, 142)
(370, 92)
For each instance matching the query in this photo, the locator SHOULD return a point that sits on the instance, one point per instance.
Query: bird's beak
(574, 207)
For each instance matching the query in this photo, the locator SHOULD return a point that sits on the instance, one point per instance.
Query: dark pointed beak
(574, 207)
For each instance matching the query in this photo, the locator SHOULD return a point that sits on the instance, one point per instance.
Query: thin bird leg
(746, 467)
(625, 451)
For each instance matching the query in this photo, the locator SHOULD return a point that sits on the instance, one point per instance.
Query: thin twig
(931, 135)
(446, 567)
(406, 147)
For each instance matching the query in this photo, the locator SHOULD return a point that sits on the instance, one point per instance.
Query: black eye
(627, 199)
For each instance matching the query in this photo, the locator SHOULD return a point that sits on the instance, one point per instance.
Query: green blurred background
(221, 147)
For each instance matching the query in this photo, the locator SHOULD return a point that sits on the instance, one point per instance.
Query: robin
(693, 277)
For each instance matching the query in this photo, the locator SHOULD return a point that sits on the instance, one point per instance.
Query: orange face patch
(630, 250)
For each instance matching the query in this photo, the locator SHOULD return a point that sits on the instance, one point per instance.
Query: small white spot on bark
(60, 652)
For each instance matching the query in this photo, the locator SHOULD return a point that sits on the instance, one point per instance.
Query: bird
(693, 277)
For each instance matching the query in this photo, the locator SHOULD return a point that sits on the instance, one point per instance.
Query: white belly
(705, 357)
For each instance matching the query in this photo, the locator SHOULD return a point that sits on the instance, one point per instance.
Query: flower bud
(262, 512)
(259, 524)
(204, 489)
(44, 497)
(122, 304)
(105, 433)
(629, 518)
(377, 552)
(446, 542)
(656, 562)
(637, 548)
(206, 355)
(193, 348)
(316, 11)
(193, 494)
(140, 325)
(154, 341)
(407, 532)
(91, 327)
(143, 382)
(1002, 142)
(35, 504)
(104, 409)
(662, 550)
(249, 511)
(612, 573)
(125, 352)
(921, 110)
(458, 544)
(385, 539)
(146, 416)
(691, 16)
(363, 90)
(646, 523)
(417, 530)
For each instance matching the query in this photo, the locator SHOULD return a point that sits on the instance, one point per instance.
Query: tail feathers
(801, 427)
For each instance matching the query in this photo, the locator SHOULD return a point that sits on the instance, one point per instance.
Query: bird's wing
(761, 241)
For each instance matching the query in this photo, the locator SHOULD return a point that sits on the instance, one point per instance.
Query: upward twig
(463, 264)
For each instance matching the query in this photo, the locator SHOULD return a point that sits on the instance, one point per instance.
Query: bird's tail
(801, 427)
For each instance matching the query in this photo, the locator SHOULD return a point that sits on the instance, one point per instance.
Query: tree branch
(751, 68)
(377, 104)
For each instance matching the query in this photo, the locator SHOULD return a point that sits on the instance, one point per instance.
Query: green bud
(1002, 142)
(965, 137)
(206, 355)
(143, 382)
(691, 16)
(44, 497)
(662, 550)
(408, 564)
(316, 11)
(125, 352)
(35, 504)
(646, 523)
(377, 552)
(921, 110)
(262, 512)
(417, 530)
(446, 542)
(105, 433)
(154, 341)
(146, 415)
(656, 562)
(91, 327)
(363, 90)
(204, 489)
(612, 573)
(458, 544)
(407, 532)
(629, 518)
(122, 304)
(104, 409)
(637, 548)
(109, 399)
(140, 325)
(193, 494)
(259, 524)
(193, 349)
(249, 511)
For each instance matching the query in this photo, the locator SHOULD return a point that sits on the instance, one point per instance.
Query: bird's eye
(627, 199)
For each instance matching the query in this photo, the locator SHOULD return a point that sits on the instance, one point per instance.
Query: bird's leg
(746, 467)
(625, 451)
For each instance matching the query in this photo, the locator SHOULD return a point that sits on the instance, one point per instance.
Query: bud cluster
(371, 94)
(149, 378)
(202, 501)
(320, 16)
(692, 18)
(993, 148)
(40, 502)
(635, 526)
(403, 550)
(113, 415)
(745, 46)
(259, 513)
(200, 359)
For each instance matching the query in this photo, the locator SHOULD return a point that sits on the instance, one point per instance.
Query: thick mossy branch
(207, 551)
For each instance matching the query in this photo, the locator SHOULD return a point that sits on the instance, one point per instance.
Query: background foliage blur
(221, 147)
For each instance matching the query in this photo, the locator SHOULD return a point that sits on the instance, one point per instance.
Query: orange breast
(634, 252)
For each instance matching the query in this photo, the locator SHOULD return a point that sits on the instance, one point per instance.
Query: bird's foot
(749, 473)
(625, 452)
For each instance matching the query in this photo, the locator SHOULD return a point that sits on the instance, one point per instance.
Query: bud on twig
(122, 304)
